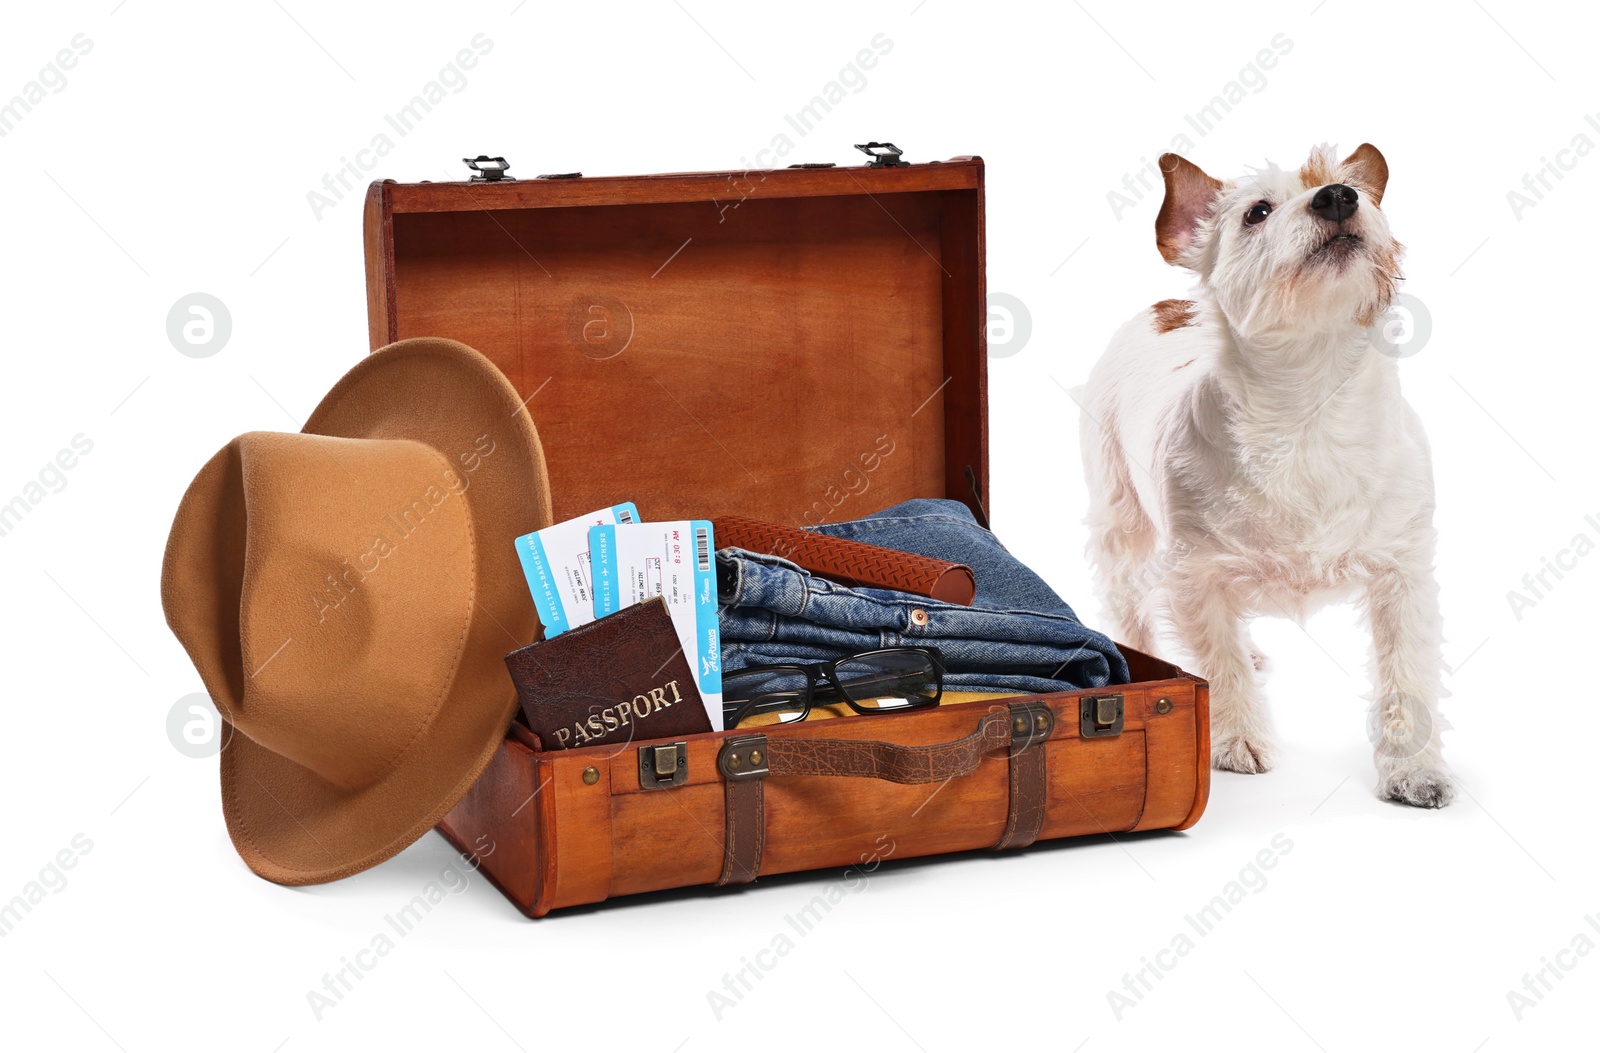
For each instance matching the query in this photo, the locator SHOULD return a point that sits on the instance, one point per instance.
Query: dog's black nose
(1335, 202)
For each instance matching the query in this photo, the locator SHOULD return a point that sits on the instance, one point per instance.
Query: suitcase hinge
(664, 766)
(1099, 716)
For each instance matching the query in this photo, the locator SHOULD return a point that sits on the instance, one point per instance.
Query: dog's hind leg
(1122, 543)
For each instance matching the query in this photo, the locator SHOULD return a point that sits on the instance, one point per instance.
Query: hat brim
(289, 824)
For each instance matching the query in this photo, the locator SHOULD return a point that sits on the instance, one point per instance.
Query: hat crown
(352, 595)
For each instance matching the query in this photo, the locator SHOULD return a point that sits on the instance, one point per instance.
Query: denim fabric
(1018, 635)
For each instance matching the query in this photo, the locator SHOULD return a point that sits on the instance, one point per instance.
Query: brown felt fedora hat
(347, 594)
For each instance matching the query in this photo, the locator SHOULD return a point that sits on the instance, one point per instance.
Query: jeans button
(919, 616)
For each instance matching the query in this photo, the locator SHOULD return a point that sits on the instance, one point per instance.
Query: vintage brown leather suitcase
(799, 345)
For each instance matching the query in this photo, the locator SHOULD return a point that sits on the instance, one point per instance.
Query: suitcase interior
(770, 329)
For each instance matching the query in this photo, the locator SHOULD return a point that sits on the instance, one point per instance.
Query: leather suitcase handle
(746, 763)
(756, 756)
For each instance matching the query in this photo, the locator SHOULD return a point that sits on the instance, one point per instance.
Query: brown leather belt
(748, 761)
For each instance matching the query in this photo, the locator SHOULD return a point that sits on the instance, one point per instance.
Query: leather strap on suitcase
(748, 761)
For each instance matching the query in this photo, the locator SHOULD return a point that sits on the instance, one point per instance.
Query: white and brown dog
(1249, 452)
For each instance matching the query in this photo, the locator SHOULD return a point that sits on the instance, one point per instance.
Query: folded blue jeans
(1017, 635)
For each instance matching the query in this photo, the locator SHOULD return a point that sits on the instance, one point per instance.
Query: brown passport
(850, 562)
(618, 678)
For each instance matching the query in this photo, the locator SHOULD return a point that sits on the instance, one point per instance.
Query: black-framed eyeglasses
(887, 680)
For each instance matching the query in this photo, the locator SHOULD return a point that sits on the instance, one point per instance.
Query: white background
(177, 159)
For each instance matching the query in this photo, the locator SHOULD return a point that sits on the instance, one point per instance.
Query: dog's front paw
(1418, 787)
(1241, 754)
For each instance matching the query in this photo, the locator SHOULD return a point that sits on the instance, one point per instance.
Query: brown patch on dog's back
(1173, 314)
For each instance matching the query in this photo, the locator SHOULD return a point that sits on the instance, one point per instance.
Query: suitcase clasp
(884, 155)
(1099, 716)
(661, 767)
(486, 169)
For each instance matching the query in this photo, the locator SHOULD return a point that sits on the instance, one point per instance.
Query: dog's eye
(1257, 213)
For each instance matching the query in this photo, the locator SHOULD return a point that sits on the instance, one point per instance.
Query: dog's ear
(1366, 169)
(1190, 193)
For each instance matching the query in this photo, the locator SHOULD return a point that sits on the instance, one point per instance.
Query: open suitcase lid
(797, 345)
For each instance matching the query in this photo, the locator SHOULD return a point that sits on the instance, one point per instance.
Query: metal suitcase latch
(486, 169)
(884, 155)
(1099, 716)
(663, 766)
